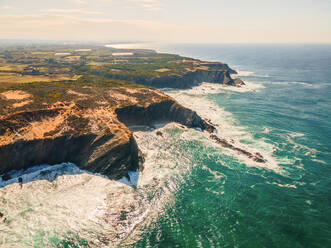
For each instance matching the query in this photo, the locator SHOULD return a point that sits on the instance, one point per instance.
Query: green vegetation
(53, 74)
(47, 93)
(25, 212)
(59, 63)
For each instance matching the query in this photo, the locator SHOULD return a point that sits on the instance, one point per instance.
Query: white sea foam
(263, 75)
(197, 100)
(217, 175)
(295, 134)
(296, 146)
(226, 127)
(293, 82)
(266, 129)
(93, 206)
(244, 73)
(41, 172)
(285, 185)
(241, 73)
(248, 87)
(133, 176)
(55, 199)
(319, 161)
(212, 88)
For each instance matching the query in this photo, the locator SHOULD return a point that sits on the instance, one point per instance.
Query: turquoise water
(222, 202)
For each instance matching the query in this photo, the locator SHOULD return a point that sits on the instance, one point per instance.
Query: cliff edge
(212, 72)
(77, 106)
(81, 124)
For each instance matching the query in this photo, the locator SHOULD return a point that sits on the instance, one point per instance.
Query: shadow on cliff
(51, 173)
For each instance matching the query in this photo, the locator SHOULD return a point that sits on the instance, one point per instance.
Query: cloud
(5, 7)
(72, 11)
(149, 5)
(82, 2)
(62, 26)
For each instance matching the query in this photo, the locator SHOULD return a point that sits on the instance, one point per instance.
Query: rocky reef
(257, 157)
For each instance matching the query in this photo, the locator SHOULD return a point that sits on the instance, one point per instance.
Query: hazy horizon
(138, 42)
(196, 21)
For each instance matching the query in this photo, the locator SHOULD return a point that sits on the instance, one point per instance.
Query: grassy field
(8, 79)
(57, 63)
(49, 73)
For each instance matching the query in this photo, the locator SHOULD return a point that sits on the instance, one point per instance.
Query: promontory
(78, 104)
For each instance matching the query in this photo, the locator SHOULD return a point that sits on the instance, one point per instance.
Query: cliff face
(205, 72)
(86, 121)
(95, 138)
(191, 79)
(162, 112)
(193, 75)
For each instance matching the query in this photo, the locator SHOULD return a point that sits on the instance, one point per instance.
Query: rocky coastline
(88, 124)
(214, 72)
(99, 144)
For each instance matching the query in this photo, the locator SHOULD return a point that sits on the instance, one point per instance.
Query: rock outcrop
(191, 79)
(201, 71)
(218, 73)
(238, 82)
(95, 137)
(257, 157)
(87, 121)
(162, 112)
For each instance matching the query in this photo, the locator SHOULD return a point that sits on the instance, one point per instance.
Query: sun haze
(267, 21)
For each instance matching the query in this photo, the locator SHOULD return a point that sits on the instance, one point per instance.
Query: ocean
(193, 192)
(284, 112)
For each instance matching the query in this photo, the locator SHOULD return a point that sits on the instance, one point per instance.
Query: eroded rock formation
(87, 122)
(95, 137)
(218, 73)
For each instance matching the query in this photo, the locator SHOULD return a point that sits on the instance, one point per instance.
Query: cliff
(90, 130)
(212, 72)
(192, 74)
(191, 79)
(79, 110)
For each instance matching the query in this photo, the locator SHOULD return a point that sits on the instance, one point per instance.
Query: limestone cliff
(218, 73)
(85, 120)
(192, 73)
(90, 131)
(191, 79)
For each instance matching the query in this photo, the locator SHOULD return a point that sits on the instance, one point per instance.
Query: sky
(193, 21)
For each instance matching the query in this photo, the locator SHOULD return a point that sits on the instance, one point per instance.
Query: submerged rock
(20, 182)
(238, 82)
(257, 157)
